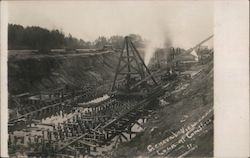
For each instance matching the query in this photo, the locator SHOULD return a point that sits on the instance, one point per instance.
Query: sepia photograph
(114, 79)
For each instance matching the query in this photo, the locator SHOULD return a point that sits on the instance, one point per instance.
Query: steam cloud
(162, 40)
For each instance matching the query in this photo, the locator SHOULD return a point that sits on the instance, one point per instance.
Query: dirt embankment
(34, 73)
(183, 109)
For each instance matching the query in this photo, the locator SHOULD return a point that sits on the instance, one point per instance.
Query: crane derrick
(199, 44)
(137, 79)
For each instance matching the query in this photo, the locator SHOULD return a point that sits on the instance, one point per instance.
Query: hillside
(188, 102)
(40, 72)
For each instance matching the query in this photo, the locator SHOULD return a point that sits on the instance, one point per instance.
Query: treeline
(34, 37)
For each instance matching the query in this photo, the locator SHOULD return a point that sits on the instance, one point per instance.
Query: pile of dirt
(186, 106)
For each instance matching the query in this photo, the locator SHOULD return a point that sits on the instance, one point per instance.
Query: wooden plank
(87, 143)
(71, 148)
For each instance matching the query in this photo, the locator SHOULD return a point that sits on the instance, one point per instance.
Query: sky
(184, 23)
(179, 23)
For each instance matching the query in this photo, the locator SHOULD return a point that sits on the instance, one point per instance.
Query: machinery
(178, 61)
(199, 44)
(137, 79)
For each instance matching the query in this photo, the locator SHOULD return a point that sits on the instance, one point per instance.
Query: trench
(40, 130)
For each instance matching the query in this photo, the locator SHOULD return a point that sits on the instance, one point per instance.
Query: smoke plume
(161, 40)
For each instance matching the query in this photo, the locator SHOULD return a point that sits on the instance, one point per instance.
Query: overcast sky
(184, 23)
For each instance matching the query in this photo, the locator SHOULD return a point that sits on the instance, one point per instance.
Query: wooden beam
(117, 69)
(24, 115)
(76, 139)
(124, 136)
(138, 54)
(136, 122)
(117, 140)
(87, 143)
(96, 131)
(71, 148)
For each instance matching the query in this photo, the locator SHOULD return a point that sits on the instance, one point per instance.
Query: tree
(15, 36)
(116, 41)
(100, 42)
(34, 37)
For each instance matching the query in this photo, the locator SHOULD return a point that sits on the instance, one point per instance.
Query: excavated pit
(186, 98)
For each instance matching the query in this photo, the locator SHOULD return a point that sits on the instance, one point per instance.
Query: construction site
(109, 103)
